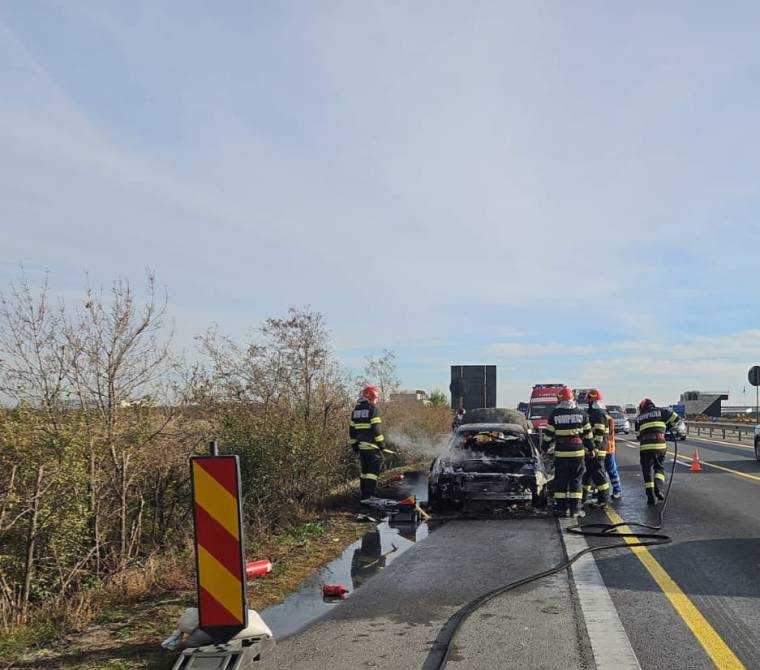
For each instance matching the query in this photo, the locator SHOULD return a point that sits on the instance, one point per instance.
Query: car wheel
(757, 448)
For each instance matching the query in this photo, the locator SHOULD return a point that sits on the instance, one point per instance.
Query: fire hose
(441, 651)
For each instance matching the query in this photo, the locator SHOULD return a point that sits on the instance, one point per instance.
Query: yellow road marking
(713, 644)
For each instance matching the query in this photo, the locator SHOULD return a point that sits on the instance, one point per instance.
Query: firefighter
(596, 475)
(652, 423)
(365, 437)
(569, 434)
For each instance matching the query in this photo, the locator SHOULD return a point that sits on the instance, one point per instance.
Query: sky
(569, 191)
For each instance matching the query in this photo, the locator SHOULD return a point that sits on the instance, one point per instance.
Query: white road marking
(730, 444)
(609, 642)
(629, 440)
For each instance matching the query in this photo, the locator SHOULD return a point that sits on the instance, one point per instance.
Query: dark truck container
(473, 386)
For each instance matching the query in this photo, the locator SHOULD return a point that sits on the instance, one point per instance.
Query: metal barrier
(713, 428)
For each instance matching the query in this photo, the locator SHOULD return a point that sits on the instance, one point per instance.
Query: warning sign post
(222, 606)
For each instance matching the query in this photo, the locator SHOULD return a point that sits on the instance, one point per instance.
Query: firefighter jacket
(651, 426)
(569, 431)
(600, 425)
(365, 430)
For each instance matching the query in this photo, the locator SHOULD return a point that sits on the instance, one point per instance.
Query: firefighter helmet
(646, 404)
(594, 395)
(565, 394)
(371, 393)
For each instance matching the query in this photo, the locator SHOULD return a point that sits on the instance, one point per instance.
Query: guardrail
(712, 429)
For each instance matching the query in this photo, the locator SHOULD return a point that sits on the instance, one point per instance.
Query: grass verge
(126, 620)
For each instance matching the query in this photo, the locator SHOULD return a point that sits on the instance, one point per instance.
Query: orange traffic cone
(696, 466)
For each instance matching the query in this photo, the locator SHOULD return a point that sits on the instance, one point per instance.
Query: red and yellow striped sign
(222, 604)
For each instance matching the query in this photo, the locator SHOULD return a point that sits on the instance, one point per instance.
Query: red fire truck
(543, 399)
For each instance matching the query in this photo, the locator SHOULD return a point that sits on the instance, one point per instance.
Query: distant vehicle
(581, 396)
(622, 424)
(631, 411)
(615, 408)
(543, 399)
(757, 442)
(680, 430)
(523, 407)
(489, 467)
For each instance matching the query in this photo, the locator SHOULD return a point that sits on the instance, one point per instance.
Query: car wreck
(489, 467)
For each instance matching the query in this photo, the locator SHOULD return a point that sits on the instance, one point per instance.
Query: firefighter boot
(650, 497)
(658, 494)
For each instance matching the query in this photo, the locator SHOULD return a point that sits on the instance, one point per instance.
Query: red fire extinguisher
(258, 568)
(334, 591)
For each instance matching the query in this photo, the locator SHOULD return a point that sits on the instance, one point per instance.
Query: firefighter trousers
(568, 483)
(610, 464)
(653, 470)
(371, 462)
(595, 478)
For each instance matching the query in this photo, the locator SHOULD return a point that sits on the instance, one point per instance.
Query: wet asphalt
(393, 620)
(713, 517)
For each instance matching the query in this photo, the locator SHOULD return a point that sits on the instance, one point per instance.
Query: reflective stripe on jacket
(365, 427)
(651, 427)
(569, 430)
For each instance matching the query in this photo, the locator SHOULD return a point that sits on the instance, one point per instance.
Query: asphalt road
(694, 603)
(714, 519)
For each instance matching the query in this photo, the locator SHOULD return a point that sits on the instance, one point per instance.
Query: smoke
(419, 445)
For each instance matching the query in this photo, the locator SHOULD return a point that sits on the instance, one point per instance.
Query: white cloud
(439, 173)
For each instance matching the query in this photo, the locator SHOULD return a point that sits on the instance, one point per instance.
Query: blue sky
(567, 190)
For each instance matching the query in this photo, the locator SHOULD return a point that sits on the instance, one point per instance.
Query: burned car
(489, 466)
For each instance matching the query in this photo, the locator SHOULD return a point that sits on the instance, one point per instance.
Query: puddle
(378, 547)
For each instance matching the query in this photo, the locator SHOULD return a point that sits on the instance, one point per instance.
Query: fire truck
(543, 399)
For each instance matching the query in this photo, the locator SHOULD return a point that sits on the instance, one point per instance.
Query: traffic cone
(696, 466)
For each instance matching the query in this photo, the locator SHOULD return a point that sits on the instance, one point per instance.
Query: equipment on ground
(258, 568)
(242, 652)
(441, 650)
(400, 510)
(334, 591)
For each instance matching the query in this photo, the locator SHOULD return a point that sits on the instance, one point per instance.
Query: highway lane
(692, 604)
(714, 518)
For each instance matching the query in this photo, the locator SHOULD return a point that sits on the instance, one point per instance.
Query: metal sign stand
(220, 641)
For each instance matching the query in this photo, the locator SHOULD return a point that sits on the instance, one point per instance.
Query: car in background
(489, 467)
(622, 423)
(631, 412)
(680, 430)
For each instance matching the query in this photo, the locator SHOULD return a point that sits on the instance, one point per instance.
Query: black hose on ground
(441, 651)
